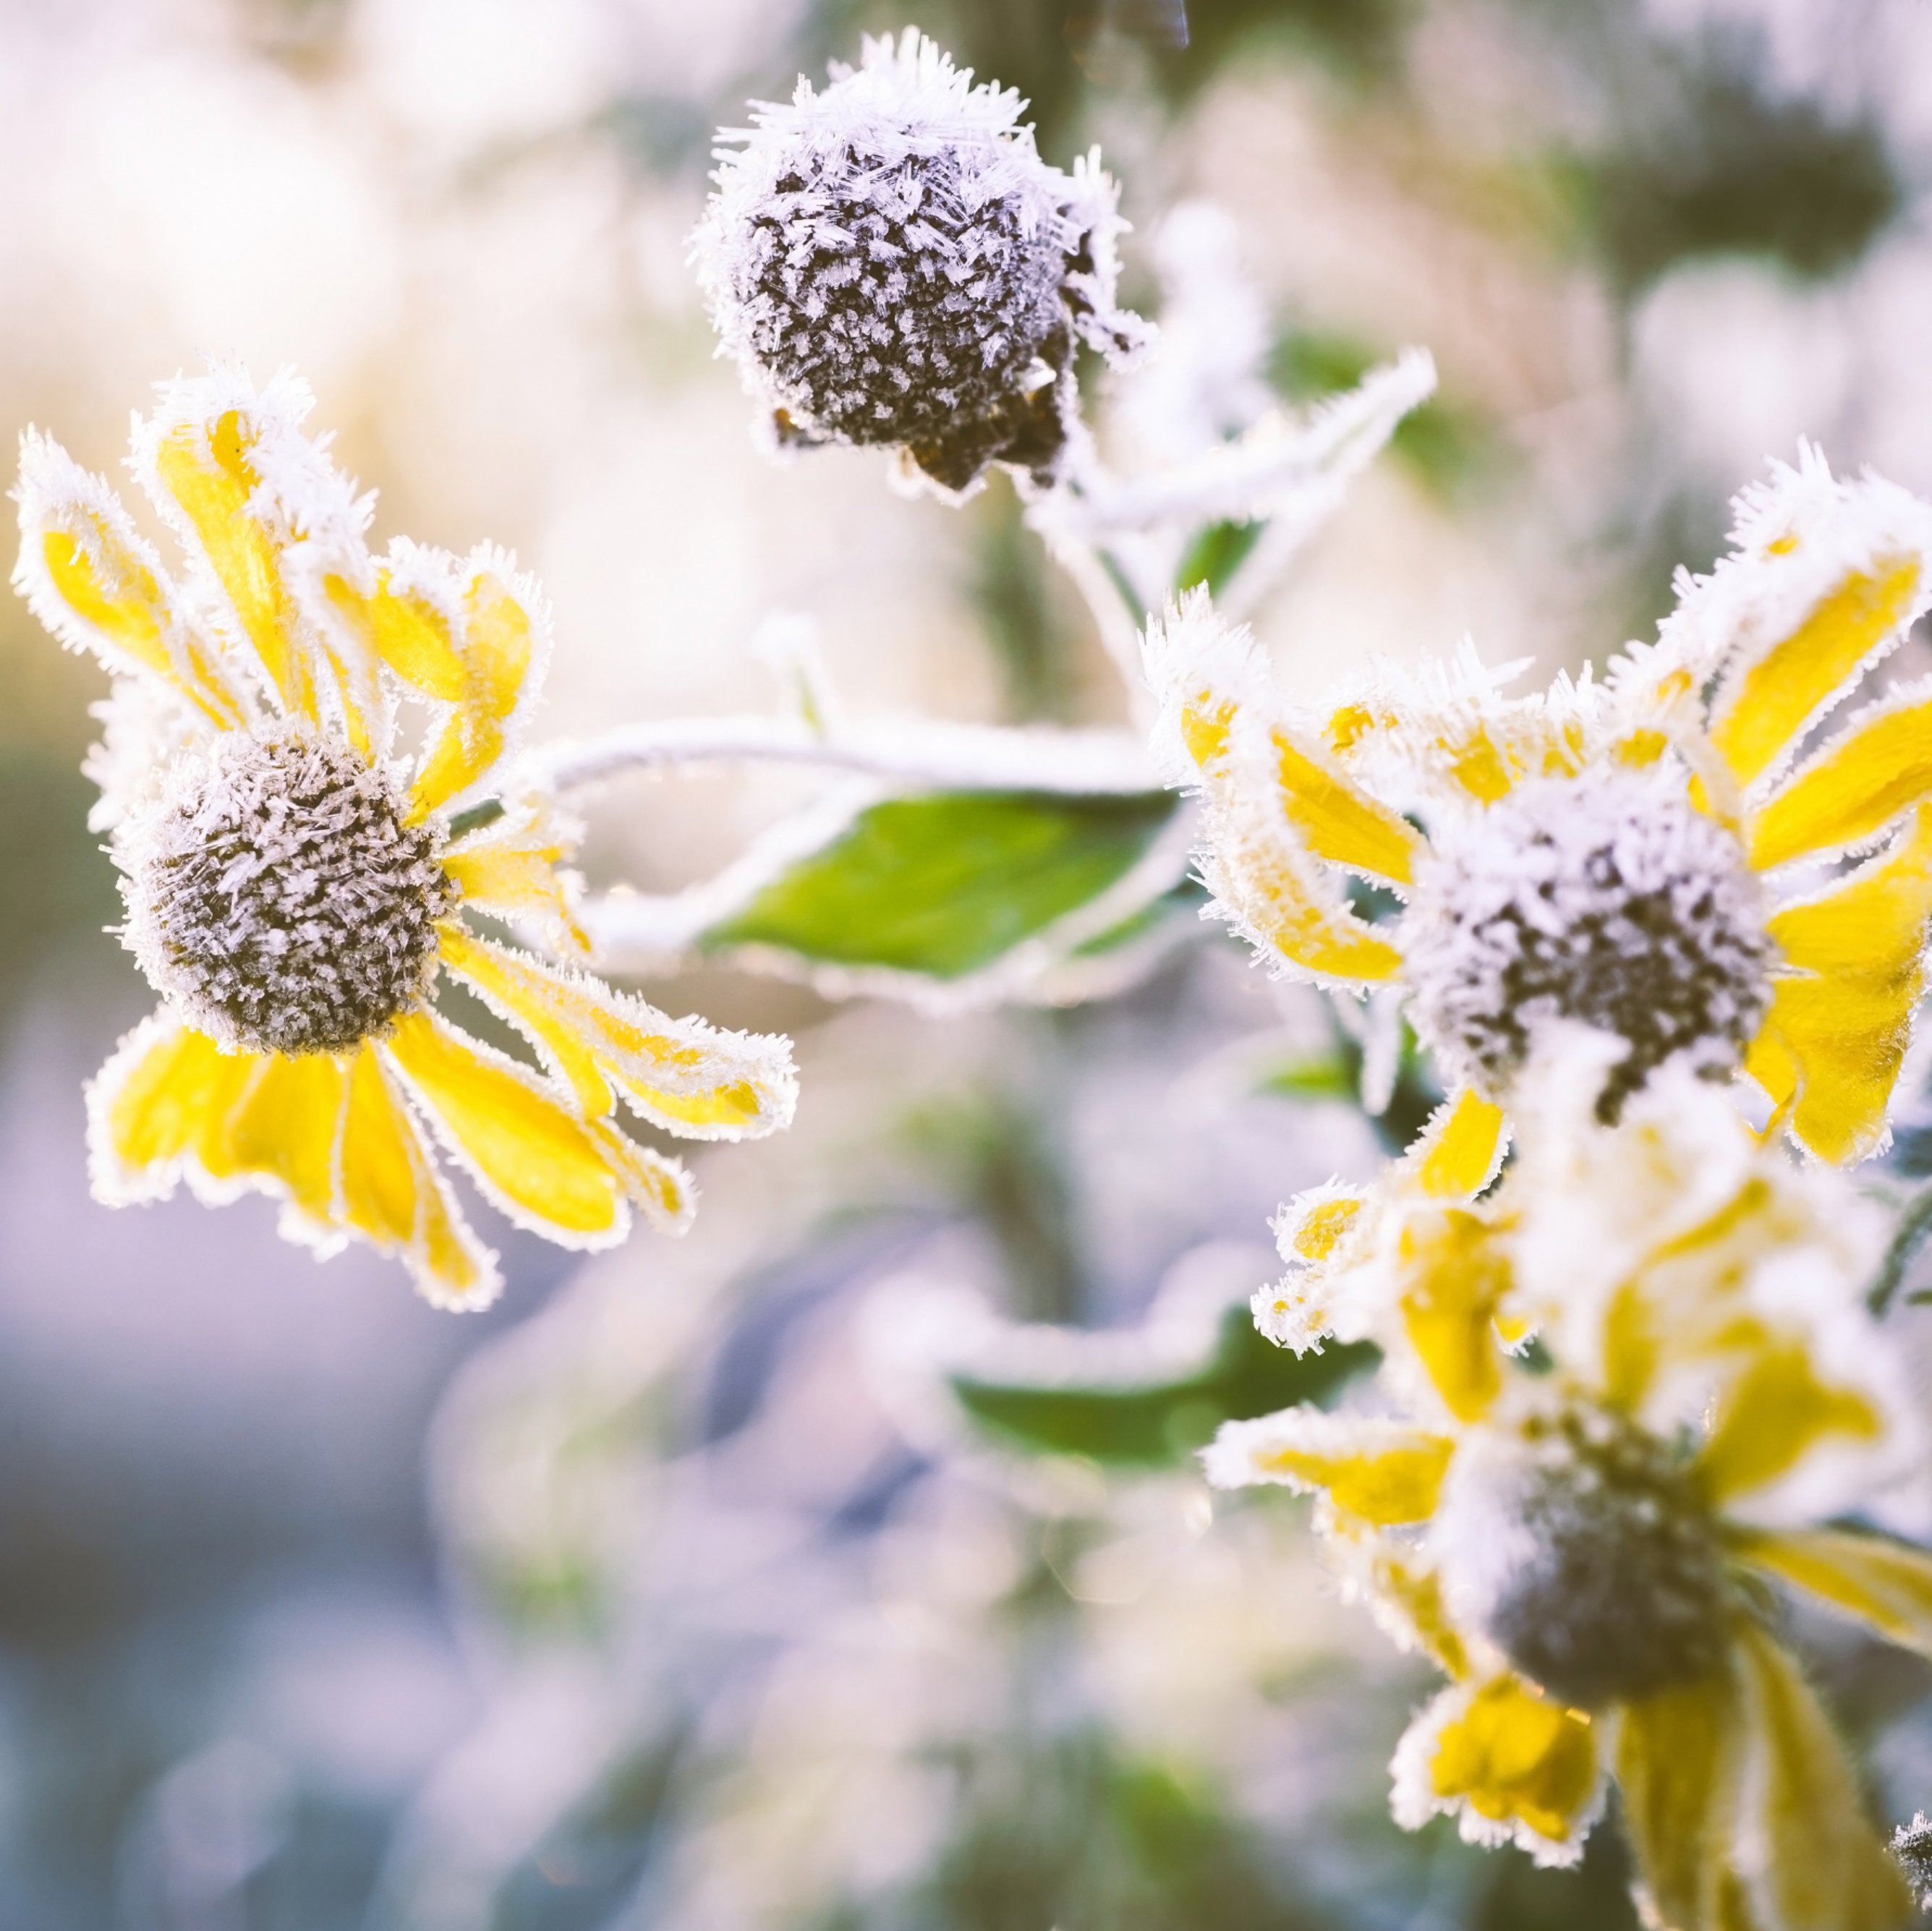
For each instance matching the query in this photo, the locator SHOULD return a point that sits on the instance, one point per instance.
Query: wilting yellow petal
(1514, 1757)
(1820, 1868)
(1455, 1273)
(1676, 1763)
(1337, 820)
(1457, 1153)
(391, 1194)
(1791, 679)
(540, 1164)
(1888, 1584)
(681, 1075)
(205, 467)
(1771, 1417)
(1380, 1472)
(1865, 779)
(497, 648)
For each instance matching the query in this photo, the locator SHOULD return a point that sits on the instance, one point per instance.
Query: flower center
(892, 303)
(1605, 899)
(278, 896)
(1584, 1553)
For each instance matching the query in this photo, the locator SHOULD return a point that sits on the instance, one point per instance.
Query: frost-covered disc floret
(1605, 899)
(280, 894)
(1580, 1548)
(891, 263)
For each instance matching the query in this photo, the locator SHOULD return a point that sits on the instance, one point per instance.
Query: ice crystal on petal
(891, 263)
(1912, 1846)
(1606, 900)
(278, 894)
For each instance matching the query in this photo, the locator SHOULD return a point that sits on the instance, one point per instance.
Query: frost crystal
(1604, 900)
(1912, 1846)
(1584, 1555)
(891, 263)
(277, 893)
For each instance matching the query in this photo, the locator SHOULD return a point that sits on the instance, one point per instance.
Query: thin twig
(1914, 1224)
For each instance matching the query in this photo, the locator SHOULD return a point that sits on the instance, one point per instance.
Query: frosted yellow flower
(1657, 854)
(296, 884)
(1586, 1548)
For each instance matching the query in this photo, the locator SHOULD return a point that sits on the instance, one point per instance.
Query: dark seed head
(278, 896)
(1583, 1553)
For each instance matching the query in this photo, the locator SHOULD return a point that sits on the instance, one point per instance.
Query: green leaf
(1163, 1423)
(1216, 553)
(947, 883)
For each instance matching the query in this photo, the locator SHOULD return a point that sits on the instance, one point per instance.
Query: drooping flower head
(891, 263)
(1660, 855)
(1587, 1537)
(298, 881)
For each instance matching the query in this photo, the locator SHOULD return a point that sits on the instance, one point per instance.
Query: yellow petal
(1337, 820)
(681, 1075)
(537, 1161)
(206, 468)
(1312, 1232)
(1888, 1584)
(1286, 903)
(1514, 1757)
(162, 1100)
(1459, 1152)
(512, 869)
(1676, 1767)
(1455, 1274)
(1835, 1037)
(284, 1128)
(98, 587)
(1381, 1472)
(1416, 1595)
(391, 1194)
(1818, 1865)
(660, 1187)
(1771, 1417)
(1788, 683)
(1877, 768)
(497, 648)
(1478, 766)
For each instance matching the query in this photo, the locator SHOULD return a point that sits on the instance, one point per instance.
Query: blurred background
(775, 1577)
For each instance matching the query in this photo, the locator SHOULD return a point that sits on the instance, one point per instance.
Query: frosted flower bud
(891, 263)
(276, 892)
(1605, 900)
(1581, 1550)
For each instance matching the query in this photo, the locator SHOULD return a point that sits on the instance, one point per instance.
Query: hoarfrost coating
(891, 263)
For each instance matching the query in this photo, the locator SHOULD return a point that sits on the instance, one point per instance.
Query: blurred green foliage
(1165, 1422)
(1725, 170)
(947, 883)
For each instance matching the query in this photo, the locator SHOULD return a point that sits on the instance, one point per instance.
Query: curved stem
(950, 756)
